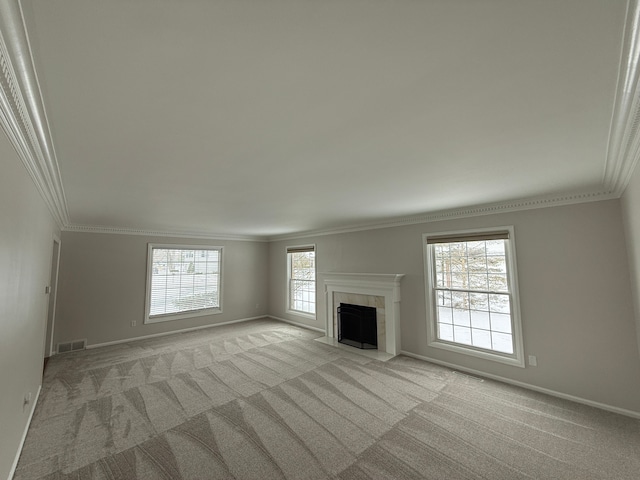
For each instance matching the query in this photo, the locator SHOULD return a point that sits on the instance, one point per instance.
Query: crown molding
(474, 211)
(22, 113)
(464, 212)
(162, 233)
(624, 135)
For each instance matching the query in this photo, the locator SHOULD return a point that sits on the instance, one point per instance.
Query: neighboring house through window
(182, 281)
(472, 295)
(301, 268)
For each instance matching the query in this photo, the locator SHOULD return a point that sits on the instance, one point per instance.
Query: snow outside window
(301, 263)
(473, 304)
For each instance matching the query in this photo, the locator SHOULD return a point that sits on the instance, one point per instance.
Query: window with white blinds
(472, 292)
(182, 281)
(301, 267)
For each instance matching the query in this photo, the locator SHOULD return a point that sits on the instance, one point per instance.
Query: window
(472, 299)
(182, 281)
(301, 267)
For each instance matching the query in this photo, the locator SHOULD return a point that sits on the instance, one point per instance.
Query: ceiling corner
(22, 113)
(624, 134)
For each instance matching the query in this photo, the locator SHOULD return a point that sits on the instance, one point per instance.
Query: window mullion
(465, 290)
(464, 316)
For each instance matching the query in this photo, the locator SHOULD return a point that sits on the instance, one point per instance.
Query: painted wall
(575, 298)
(630, 202)
(102, 286)
(26, 243)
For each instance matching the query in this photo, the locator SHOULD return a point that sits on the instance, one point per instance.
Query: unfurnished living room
(305, 239)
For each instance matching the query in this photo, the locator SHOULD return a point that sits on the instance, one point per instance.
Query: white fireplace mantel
(375, 284)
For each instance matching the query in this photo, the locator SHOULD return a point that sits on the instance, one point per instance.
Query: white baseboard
(182, 330)
(553, 393)
(24, 434)
(316, 329)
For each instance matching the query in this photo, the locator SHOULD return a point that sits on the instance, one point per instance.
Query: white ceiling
(269, 117)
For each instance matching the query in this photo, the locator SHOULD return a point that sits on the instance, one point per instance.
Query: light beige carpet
(262, 400)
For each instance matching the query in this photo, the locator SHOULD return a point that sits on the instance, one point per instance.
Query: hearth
(357, 326)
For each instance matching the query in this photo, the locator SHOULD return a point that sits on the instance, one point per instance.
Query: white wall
(630, 202)
(574, 291)
(102, 286)
(26, 242)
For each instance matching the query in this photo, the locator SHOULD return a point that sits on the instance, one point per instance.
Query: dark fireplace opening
(357, 326)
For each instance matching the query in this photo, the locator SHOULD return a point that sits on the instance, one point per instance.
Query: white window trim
(288, 309)
(515, 359)
(192, 313)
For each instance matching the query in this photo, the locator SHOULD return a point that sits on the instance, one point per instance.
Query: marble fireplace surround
(381, 290)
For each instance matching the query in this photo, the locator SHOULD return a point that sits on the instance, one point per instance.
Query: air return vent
(72, 346)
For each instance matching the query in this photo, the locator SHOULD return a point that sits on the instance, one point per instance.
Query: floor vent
(72, 346)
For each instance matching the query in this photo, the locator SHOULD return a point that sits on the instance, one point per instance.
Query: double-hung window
(301, 272)
(472, 295)
(183, 281)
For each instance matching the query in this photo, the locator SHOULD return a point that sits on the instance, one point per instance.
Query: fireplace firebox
(357, 326)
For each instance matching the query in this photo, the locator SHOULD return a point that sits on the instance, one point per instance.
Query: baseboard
(553, 393)
(24, 434)
(308, 327)
(182, 330)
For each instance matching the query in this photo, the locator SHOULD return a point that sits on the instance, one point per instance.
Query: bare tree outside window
(472, 294)
(302, 280)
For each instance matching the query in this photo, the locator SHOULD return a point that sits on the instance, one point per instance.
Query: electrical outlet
(133, 323)
(257, 306)
(533, 361)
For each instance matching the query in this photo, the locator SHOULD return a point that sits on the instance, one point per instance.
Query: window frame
(151, 319)
(514, 359)
(288, 300)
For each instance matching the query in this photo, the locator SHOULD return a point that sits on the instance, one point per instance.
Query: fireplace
(357, 326)
(378, 290)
